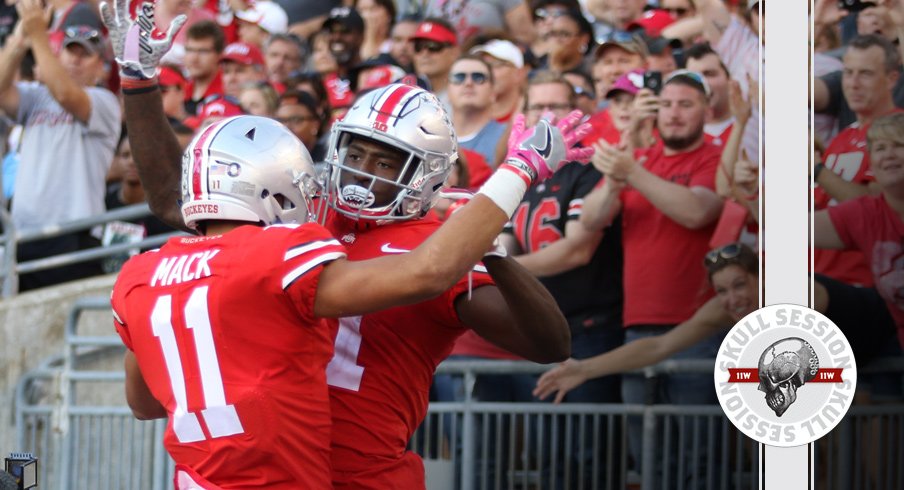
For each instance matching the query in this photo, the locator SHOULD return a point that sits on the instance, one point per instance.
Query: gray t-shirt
(470, 17)
(485, 141)
(63, 163)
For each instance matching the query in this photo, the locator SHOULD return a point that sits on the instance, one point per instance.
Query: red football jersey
(224, 331)
(848, 157)
(381, 374)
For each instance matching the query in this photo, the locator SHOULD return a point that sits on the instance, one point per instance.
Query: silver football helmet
(247, 168)
(409, 119)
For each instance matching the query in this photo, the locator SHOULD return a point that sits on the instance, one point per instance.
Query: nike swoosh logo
(547, 147)
(386, 249)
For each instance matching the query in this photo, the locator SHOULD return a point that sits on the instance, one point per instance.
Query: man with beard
(346, 28)
(668, 207)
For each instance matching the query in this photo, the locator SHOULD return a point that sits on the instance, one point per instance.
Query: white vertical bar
(786, 192)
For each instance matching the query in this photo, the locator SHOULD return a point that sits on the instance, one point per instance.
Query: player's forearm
(544, 333)
(157, 154)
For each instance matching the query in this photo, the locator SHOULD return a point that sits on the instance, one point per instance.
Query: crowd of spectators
(670, 87)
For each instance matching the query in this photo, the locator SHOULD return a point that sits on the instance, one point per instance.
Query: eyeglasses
(549, 13)
(555, 108)
(561, 34)
(725, 252)
(477, 77)
(693, 76)
(582, 92)
(623, 37)
(676, 12)
(431, 46)
(200, 50)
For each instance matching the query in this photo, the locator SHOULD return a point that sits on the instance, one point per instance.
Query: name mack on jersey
(183, 268)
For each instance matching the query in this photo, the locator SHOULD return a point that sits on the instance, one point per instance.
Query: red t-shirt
(664, 280)
(224, 332)
(215, 88)
(848, 157)
(869, 225)
(602, 128)
(718, 134)
(381, 375)
(478, 168)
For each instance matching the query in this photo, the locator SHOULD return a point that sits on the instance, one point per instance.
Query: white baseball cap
(502, 50)
(268, 15)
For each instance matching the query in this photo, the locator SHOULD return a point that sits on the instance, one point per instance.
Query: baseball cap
(630, 82)
(346, 16)
(243, 54)
(434, 31)
(656, 45)
(86, 36)
(652, 22)
(215, 106)
(269, 16)
(628, 41)
(694, 79)
(501, 50)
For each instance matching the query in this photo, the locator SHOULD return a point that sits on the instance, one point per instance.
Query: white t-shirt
(63, 163)
(741, 51)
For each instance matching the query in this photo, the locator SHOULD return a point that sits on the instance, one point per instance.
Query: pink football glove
(539, 151)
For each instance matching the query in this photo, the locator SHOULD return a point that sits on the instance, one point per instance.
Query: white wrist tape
(505, 188)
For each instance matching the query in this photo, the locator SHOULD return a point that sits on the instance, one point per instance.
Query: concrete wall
(31, 330)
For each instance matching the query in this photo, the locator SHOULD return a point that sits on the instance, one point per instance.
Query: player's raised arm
(155, 148)
(445, 257)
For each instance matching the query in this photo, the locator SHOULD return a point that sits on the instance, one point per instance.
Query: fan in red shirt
(870, 71)
(874, 226)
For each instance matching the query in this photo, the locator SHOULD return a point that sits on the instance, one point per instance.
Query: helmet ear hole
(284, 202)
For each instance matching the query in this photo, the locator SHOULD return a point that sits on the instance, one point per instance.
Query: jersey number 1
(221, 418)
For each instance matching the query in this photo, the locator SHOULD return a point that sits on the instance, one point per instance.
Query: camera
(653, 81)
(24, 468)
(855, 5)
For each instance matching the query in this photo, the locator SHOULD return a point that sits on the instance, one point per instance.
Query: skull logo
(784, 367)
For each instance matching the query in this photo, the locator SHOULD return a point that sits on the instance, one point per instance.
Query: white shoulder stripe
(295, 252)
(300, 270)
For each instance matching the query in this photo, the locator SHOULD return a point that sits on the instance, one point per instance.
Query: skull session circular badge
(785, 375)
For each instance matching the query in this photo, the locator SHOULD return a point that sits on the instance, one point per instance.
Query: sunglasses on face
(431, 46)
(477, 77)
(548, 13)
(725, 252)
(676, 12)
(83, 33)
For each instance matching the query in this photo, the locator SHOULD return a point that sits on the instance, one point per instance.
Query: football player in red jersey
(390, 156)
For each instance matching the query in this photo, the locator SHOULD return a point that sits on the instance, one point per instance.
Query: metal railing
(10, 269)
(86, 445)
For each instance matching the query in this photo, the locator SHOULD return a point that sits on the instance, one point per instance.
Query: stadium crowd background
(680, 151)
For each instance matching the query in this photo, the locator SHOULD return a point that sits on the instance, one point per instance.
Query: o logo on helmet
(380, 126)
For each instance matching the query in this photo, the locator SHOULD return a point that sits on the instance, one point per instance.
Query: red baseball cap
(434, 31)
(243, 54)
(652, 22)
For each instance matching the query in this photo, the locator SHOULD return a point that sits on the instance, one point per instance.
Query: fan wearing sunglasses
(435, 49)
(471, 95)
(64, 181)
(545, 11)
